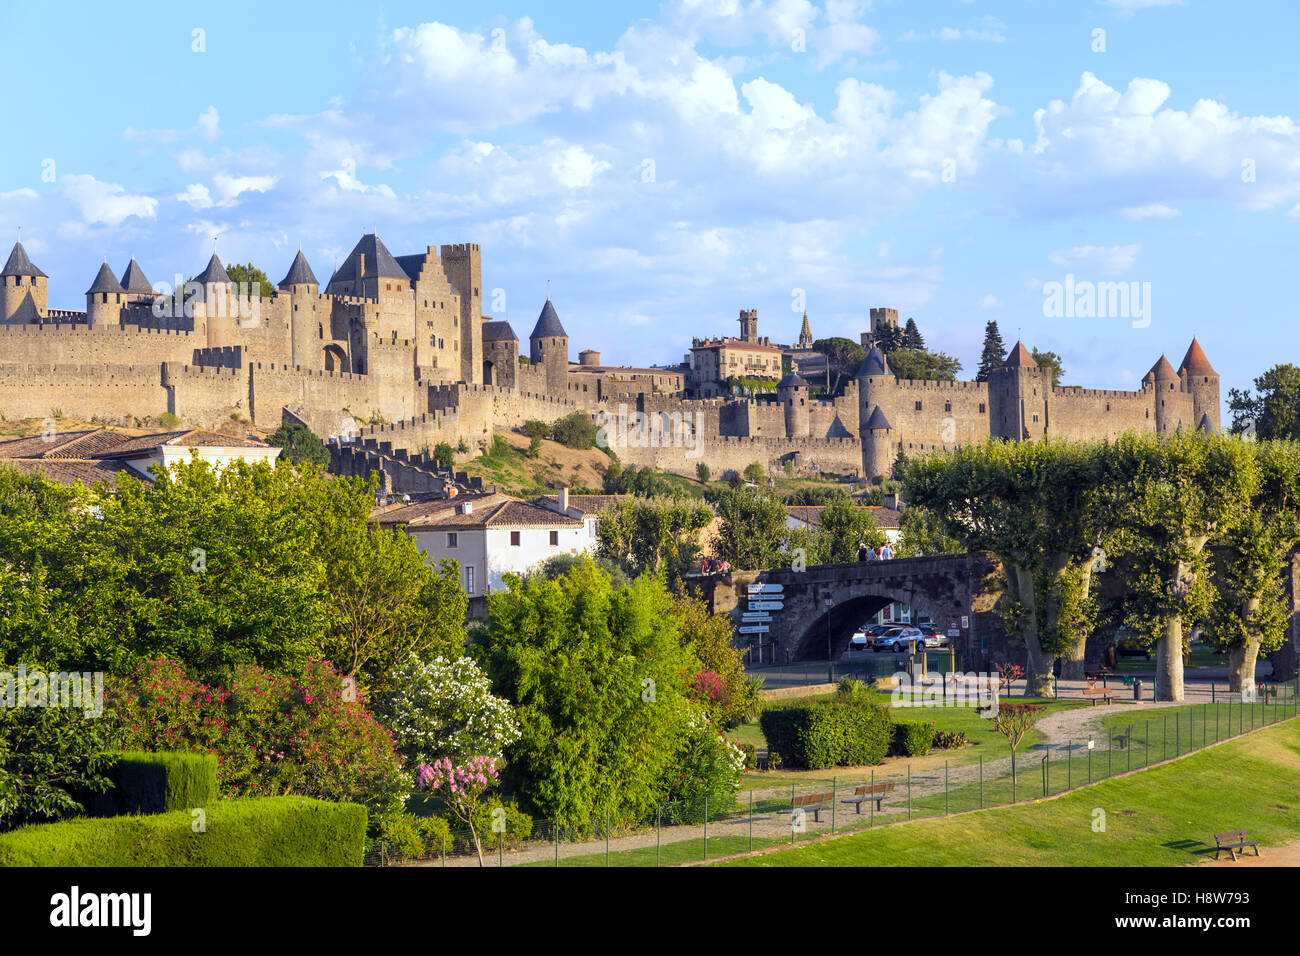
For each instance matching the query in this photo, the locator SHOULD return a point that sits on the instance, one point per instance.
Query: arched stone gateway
(823, 605)
(336, 360)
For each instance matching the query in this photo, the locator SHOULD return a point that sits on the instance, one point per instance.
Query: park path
(1065, 731)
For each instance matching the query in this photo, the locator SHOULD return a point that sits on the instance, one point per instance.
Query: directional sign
(766, 606)
(965, 621)
(756, 616)
(753, 629)
(765, 588)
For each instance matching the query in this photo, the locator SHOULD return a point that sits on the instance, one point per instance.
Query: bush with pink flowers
(308, 735)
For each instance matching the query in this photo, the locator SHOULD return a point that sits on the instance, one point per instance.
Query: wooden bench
(1095, 692)
(1125, 738)
(866, 792)
(813, 803)
(1232, 841)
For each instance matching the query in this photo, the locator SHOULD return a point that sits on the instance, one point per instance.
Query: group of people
(710, 566)
(882, 553)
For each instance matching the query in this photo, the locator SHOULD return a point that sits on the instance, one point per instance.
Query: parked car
(862, 639)
(933, 636)
(898, 639)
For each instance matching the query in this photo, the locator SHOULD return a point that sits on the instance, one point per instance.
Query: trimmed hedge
(845, 732)
(257, 831)
(159, 782)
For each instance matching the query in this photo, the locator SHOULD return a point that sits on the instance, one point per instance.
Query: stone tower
(548, 349)
(215, 307)
(749, 325)
(877, 444)
(1202, 381)
(500, 354)
(876, 385)
(104, 300)
(24, 289)
(1167, 384)
(1018, 393)
(463, 264)
(792, 393)
(880, 318)
(308, 316)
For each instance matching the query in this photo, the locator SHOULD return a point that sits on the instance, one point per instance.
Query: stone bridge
(822, 606)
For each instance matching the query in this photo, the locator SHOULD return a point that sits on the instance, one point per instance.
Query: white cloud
(106, 203)
(209, 125)
(1110, 144)
(989, 301)
(1110, 260)
(1154, 210)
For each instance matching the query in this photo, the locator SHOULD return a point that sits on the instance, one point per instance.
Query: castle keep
(394, 355)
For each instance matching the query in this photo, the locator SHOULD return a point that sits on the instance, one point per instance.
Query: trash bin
(1137, 689)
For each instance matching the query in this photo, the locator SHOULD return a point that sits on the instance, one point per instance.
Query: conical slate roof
(1195, 361)
(379, 262)
(499, 331)
(877, 419)
(105, 281)
(20, 265)
(1163, 371)
(874, 364)
(793, 380)
(1019, 357)
(1205, 425)
(548, 324)
(133, 279)
(299, 273)
(215, 272)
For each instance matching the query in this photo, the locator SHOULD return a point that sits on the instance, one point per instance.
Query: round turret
(792, 393)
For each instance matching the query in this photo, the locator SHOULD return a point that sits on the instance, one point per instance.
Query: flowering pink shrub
(272, 734)
(460, 787)
(707, 685)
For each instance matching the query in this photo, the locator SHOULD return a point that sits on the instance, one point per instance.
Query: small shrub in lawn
(949, 739)
(751, 756)
(913, 740)
(773, 760)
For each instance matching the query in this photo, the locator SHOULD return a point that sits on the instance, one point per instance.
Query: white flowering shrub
(446, 708)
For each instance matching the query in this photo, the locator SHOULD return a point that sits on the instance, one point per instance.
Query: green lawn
(1162, 817)
(984, 739)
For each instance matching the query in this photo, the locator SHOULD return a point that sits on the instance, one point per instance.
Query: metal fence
(809, 805)
(865, 668)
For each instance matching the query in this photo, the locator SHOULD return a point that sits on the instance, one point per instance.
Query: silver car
(898, 639)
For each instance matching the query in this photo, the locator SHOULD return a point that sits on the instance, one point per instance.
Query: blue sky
(665, 165)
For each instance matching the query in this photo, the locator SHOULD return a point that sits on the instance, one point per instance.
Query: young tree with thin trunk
(1166, 497)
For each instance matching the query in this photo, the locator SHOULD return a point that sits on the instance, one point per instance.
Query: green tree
(912, 336)
(1249, 563)
(575, 430)
(658, 535)
(842, 529)
(1273, 411)
(752, 531)
(300, 445)
(1052, 361)
(443, 455)
(259, 284)
(994, 351)
(754, 472)
(702, 472)
(596, 676)
(1029, 503)
(1164, 498)
(710, 638)
(843, 355)
(908, 363)
(920, 533)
